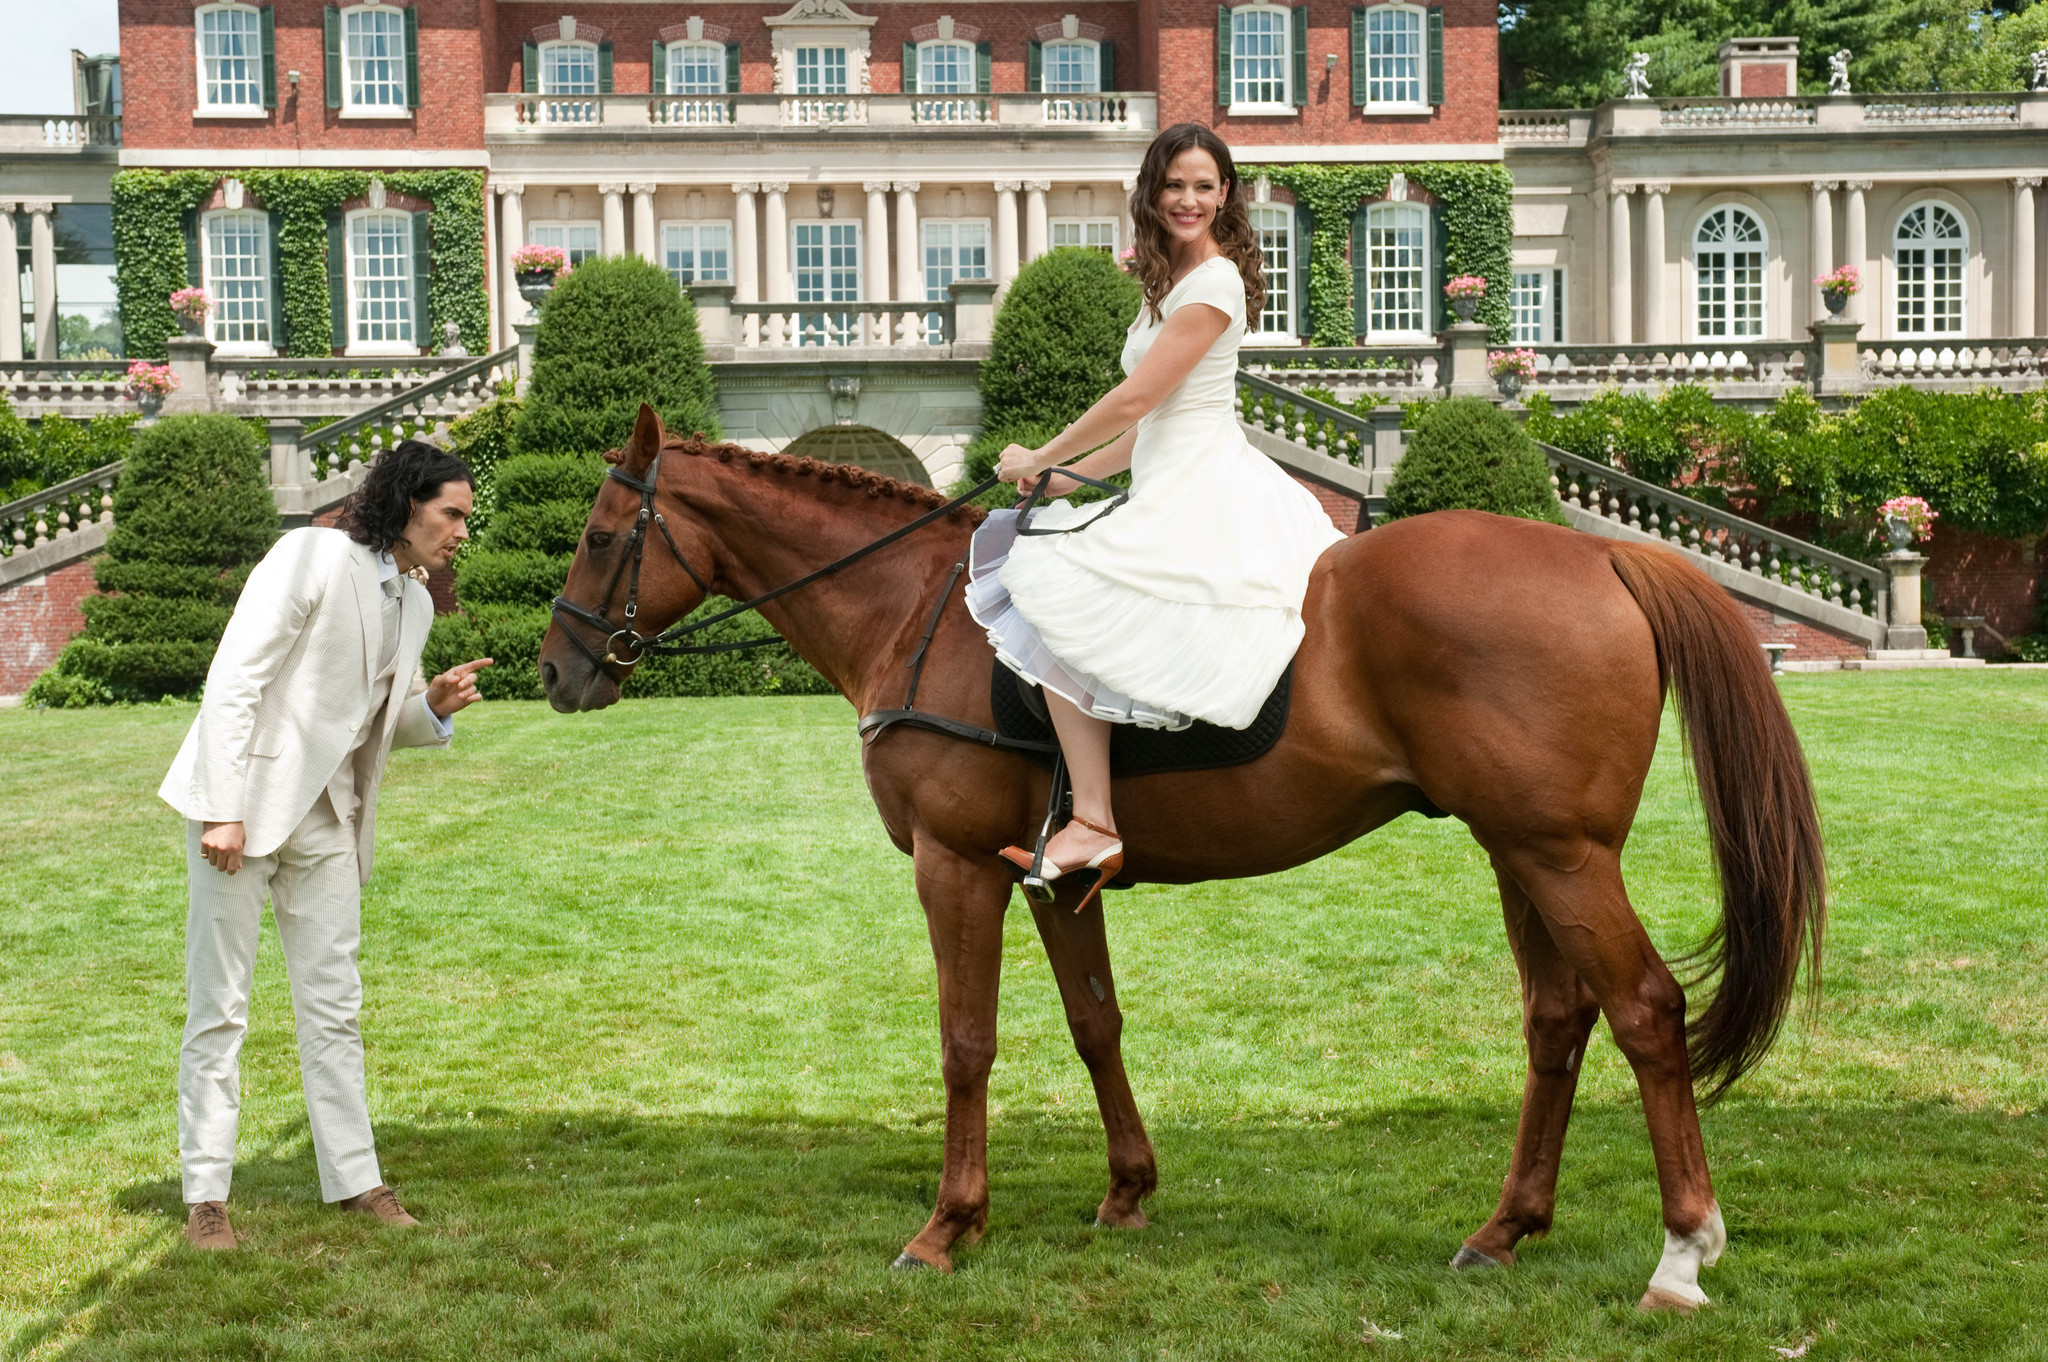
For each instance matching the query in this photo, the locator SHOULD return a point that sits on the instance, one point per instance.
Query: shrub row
(56, 449)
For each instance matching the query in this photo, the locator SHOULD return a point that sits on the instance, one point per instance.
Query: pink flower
(149, 380)
(1466, 286)
(192, 303)
(540, 260)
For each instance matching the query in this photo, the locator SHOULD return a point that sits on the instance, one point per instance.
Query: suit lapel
(369, 606)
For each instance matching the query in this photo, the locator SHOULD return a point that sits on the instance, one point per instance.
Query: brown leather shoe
(381, 1202)
(207, 1227)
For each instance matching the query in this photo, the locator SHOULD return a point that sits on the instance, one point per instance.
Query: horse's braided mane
(824, 475)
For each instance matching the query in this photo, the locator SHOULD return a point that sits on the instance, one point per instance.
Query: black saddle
(1021, 715)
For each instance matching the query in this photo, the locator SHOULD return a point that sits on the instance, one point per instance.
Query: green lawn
(653, 1053)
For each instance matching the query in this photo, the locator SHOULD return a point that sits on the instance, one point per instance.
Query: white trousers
(316, 896)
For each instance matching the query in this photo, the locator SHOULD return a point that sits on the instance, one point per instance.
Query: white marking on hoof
(1675, 1284)
(908, 1262)
(1468, 1257)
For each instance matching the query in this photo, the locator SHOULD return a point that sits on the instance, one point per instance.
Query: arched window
(376, 41)
(380, 282)
(230, 59)
(1929, 248)
(1071, 67)
(1729, 250)
(945, 68)
(235, 269)
(696, 69)
(1260, 59)
(568, 68)
(1394, 47)
(1397, 270)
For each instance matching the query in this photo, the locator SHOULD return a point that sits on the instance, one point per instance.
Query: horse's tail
(1760, 811)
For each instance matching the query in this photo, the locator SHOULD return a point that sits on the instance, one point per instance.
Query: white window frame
(1549, 307)
(1278, 218)
(821, 50)
(1419, 104)
(350, 108)
(546, 55)
(1046, 83)
(559, 227)
(926, 51)
(935, 291)
(1960, 243)
(412, 300)
(1114, 228)
(1285, 103)
(1761, 248)
(678, 60)
(837, 321)
(697, 227)
(213, 284)
(206, 108)
(1397, 216)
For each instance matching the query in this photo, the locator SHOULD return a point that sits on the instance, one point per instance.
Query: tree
(1465, 453)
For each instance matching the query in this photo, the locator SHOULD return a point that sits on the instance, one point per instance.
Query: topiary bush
(1467, 453)
(192, 514)
(614, 333)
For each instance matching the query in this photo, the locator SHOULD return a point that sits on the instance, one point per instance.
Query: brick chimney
(1760, 68)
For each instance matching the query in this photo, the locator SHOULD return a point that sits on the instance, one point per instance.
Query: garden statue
(1838, 73)
(1637, 74)
(451, 341)
(2037, 77)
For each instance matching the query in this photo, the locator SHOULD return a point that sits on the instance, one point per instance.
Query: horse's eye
(600, 539)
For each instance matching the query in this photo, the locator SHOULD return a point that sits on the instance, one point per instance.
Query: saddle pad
(1134, 751)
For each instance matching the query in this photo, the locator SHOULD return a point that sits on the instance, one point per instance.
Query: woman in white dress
(1185, 603)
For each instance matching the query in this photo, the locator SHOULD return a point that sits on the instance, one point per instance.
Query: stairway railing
(59, 511)
(425, 411)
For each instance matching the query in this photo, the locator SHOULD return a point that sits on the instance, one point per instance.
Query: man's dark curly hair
(404, 475)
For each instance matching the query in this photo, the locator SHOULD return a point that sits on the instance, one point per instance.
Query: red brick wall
(1342, 510)
(36, 620)
(1763, 80)
(160, 83)
(1809, 643)
(1974, 574)
(1185, 38)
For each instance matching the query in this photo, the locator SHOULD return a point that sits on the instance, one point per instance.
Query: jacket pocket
(268, 742)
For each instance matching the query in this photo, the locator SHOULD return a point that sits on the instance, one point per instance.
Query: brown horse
(1506, 672)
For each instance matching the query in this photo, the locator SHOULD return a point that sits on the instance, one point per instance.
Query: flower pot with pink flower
(190, 306)
(1907, 520)
(1464, 294)
(149, 384)
(536, 268)
(1511, 369)
(1838, 286)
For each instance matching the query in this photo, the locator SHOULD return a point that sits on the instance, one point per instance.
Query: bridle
(625, 646)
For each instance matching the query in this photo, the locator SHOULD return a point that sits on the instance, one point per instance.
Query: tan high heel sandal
(1105, 863)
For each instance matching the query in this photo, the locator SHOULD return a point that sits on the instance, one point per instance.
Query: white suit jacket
(289, 687)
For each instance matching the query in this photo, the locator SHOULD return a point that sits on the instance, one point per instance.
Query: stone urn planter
(1837, 299)
(535, 285)
(1509, 384)
(1466, 308)
(1899, 531)
(190, 326)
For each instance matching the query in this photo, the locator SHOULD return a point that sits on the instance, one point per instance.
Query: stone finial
(1637, 74)
(1838, 73)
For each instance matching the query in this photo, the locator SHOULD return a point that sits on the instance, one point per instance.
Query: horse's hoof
(1467, 1258)
(1133, 1219)
(908, 1262)
(1657, 1298)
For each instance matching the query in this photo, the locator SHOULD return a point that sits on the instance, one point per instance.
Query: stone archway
(865, 447)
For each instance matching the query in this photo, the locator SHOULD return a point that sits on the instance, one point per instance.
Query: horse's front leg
(964, 899)
(1078, 947)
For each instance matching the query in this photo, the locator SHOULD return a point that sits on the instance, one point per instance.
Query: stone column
(1620, 269)
(187, 356)
(875, 271)
(714, 318)
(973, 316)
(2023, 254)
(746, 245)
(1856, 248)
(614, 219)
(10, 287)
(1127, 226)
(511, 236)
(1037, 234)
(776, 284)
(42, 246)
(1006, 231)
(1655, 266)
(909, 244)
(291, 470)
(1905, 632)
(1467, 342)
(1821, 241)
(646, 240)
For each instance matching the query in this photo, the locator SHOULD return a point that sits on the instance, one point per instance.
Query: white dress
(1184, 603)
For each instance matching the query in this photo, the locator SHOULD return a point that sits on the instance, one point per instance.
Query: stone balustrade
(1960, 365)
(58, 132)
(262, 388)
(57, 513)
(519, 116)
(1792, 114)
(1387, 373)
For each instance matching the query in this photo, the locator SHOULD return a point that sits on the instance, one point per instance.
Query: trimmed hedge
(56, 449)
(613, 334)
(192, 515)
(1466, 453)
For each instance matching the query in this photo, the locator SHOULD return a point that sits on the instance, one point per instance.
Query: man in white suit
(315, 681)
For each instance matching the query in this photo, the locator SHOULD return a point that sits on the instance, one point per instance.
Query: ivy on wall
(1478, 219)
(149, 248)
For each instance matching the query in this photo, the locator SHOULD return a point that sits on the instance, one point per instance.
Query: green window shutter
(1439, 267)
(412, 57)
(529, 68)
(657, 67)
(1360, 259)
(333, 57)
(1105, 65)
(1034, 66)
(423, 333)
(266, 21)
(1436, 54)
(1297, 38)
(909, 68)
(1360, 91)
(195, 271)
(1223, 55)
(604, 68)
(732, 68)
(337, 281)
(984, 67)
(1304, 235)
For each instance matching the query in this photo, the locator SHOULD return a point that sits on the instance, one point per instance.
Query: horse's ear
(648, 437)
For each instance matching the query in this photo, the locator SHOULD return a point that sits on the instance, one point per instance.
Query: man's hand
(221, 844)
(455, 689)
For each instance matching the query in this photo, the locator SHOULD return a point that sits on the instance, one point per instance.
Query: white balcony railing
(515, 117)
(58, 132)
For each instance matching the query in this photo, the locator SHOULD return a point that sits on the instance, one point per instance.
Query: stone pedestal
(188, 356)
(526, 331)
(291, 470)
(1467, 342)
(714, 319)
(974, 316)
(1904, 631)
(1840, 372)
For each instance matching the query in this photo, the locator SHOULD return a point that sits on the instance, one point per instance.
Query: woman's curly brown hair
(1232, 229)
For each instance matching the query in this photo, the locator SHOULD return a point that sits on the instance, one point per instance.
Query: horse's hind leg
(1587, 911)
(1079, 950)
(1558, 1011)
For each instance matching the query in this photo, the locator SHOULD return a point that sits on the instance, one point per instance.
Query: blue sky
(35, 71)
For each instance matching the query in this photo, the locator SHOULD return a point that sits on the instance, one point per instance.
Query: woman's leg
(1085, 740)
